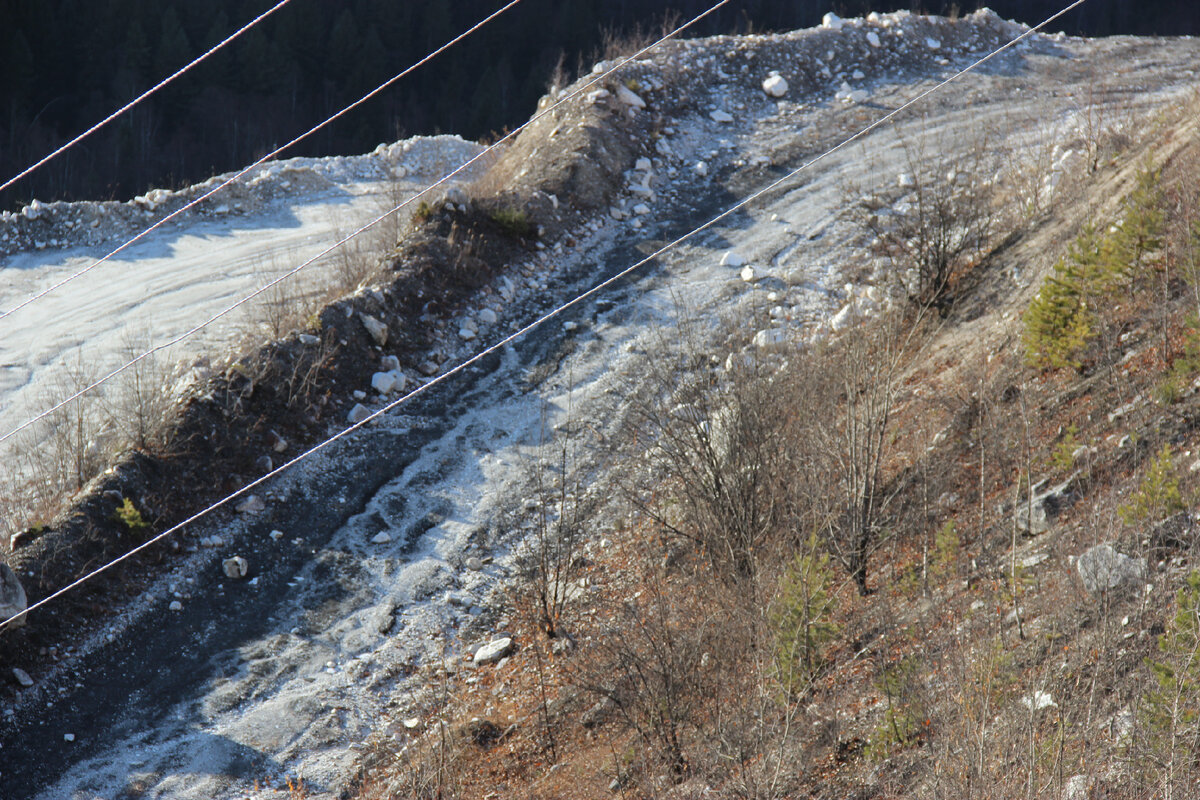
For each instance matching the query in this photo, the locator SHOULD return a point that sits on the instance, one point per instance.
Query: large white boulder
(495, 650)
(770, 338)
(1102, 569)
(775, 85)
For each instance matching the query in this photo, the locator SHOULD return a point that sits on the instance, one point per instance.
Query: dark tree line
(65, 64)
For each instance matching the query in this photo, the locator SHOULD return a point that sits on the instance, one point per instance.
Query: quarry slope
(398, 546)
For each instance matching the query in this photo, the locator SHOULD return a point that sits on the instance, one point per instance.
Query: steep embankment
(397, 549)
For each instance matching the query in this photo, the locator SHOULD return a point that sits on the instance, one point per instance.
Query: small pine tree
(128, 515)
(1186, 366)
(903, 718)
(945, 549)
(1158, 496)
(1099, 266)
(1140, 233)
(802, 618)
(1171, 711)
(1058, 323)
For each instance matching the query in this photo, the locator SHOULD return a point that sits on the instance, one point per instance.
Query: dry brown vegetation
(839, 580)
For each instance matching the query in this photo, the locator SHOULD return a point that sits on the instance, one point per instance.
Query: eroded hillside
(791, 511)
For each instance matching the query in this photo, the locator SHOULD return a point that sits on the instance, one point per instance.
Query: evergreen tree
(1171, 711)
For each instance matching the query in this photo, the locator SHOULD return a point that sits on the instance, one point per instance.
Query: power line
(144, 94)
(267, 157)
(507, 340)
(180, 337)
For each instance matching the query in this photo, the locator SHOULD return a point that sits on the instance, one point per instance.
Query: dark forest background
(66, 64)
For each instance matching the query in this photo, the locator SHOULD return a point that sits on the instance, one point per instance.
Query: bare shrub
(137, 406)
(560, 520)
(71, 452)
(1031, 167)
(868, 359)
(934, 220)
(653, 671)
(355, 261)
(723, 441)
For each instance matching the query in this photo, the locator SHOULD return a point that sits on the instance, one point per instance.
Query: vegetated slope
(697, 585)
(1029, 624)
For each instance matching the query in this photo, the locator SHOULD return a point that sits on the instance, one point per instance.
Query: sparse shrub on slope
(513, 221)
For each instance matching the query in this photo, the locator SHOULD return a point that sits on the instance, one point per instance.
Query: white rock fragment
(844, 318)
(595, 97)
(832, 21)
(701, 169)
(643, 165)
(747, 273)
(775, 85)
(488, 317)
(1038, 700)
(378, 331)
(720, 115)
(494, 650)
(358, 414)
(873, 38)
(175, 606)
(22, 677)
(905, 181)
(235, 568)
(932, 44)
(383, 382)
(732, 259)
(770, 337)
(251, 505)
(308, 339)
(629, 98)
(68, 737)
(466, 334)
(276, 535)
(641, 209)
(383, 537)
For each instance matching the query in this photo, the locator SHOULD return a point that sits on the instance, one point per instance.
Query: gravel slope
(288, 674)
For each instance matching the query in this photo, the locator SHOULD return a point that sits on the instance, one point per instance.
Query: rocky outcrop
(1103, 569)
(1035, 514)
